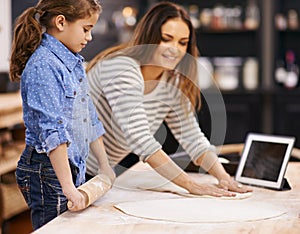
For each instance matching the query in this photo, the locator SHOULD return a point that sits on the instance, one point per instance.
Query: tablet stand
(285, 185)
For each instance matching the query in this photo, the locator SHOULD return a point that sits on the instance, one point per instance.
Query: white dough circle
(199, 210)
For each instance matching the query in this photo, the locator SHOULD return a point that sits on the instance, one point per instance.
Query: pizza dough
(145, 178)
(195, 210)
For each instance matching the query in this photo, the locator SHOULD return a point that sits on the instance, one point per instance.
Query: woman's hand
(230, 184)
(226, 182)
(208, 189)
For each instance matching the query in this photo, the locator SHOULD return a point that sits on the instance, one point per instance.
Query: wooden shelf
(11, 199)
(10, 115)
(13, 202)
(10, 157)
(10, 109)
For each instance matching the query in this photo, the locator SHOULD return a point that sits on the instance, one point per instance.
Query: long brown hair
(31, 24)
(148, 32)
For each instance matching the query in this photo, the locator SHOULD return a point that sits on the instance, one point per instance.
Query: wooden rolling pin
(93, 189)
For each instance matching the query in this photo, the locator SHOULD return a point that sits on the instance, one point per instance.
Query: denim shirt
(57, 108)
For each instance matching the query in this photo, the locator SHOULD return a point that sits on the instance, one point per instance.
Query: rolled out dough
(195, 210)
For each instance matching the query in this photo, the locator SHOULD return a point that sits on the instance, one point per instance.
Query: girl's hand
(76, 200)
(232, 185)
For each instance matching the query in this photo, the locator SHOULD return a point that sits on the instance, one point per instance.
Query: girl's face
(173, 46)
(75, 35)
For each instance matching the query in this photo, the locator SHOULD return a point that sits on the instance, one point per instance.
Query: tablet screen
(264, 160)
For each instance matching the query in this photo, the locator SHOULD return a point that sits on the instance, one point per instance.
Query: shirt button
(80, 80)
(84, 120)
(83, 99)
(60, 121)
(74, 92)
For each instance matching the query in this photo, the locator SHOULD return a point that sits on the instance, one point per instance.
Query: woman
(150, 80)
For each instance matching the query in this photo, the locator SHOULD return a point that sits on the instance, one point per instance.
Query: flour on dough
(195, 210)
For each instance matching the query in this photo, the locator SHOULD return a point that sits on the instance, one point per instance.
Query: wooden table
(102, 217)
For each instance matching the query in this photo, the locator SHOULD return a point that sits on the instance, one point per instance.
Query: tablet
(264, 160)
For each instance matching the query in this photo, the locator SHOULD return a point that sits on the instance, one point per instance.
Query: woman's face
(173, 46)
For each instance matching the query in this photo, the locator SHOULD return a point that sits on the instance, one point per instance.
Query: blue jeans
(40, 187)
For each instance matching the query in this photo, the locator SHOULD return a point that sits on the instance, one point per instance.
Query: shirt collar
(61, 51)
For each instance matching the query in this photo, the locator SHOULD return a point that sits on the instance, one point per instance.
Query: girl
(61, 122)
(151, 80)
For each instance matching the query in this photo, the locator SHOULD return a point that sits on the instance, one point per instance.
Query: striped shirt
(131, 118)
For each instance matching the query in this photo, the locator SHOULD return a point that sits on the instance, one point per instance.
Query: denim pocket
(23, 182)
(51, 185)
(70, 98)
(49, 178)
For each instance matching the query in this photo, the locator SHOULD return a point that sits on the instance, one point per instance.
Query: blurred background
(249, 50)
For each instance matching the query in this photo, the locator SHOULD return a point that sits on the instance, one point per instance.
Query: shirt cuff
(54, 140)
(97, 131)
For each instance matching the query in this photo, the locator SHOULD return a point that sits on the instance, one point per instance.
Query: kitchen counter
(102, 217)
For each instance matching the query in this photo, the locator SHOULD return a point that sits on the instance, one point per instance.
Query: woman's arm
(209, 162)
(98, 150)
(186, 130)
(162, 163)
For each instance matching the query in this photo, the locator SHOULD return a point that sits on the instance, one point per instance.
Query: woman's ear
(60, 22)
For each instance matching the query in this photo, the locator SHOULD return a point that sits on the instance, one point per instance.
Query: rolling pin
(93, 189)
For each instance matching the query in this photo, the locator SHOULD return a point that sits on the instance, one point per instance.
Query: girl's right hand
(208, 189)
(76, 200)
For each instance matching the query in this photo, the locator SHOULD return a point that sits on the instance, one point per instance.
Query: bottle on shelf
(236, 21)
(205, 18)
(218, 18)
(194, 15)
(252, 18)
(226, 72)
(280, 72)
(280, 21)
(287, 72)
(250, 74)
(292, 19)
(292, 68)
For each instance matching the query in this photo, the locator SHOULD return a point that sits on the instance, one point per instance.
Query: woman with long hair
(150, 80)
